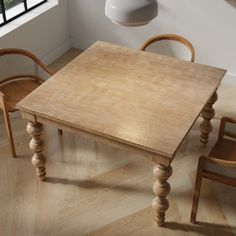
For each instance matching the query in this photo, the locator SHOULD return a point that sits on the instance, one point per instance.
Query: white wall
(208, 24)
(47, 35)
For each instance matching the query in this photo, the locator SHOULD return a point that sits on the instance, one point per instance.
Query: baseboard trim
(230, 79)
(57, 52)
(81, 43)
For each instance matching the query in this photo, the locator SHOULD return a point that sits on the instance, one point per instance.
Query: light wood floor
(95, 189)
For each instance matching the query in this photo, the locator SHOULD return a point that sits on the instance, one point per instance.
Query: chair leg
(9, 132)
(60, 131)
(196, 194)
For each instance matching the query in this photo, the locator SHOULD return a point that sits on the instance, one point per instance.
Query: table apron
(161, 159)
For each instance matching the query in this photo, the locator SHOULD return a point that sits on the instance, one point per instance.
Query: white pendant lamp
(131, 12)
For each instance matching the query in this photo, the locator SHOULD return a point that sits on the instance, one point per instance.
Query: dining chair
(220, 165)
(20, 73)
(170, 45)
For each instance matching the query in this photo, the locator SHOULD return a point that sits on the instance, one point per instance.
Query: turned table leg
(207, 114)
(161, 188)
(36, 144)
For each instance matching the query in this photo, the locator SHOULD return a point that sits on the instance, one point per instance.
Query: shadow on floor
(202, 228)
(94, 184)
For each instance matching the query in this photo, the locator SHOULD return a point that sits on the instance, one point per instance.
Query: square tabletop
(142, 99)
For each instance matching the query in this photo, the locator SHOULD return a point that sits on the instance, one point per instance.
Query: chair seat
(224, 149)
(220, 165)
(16, 90)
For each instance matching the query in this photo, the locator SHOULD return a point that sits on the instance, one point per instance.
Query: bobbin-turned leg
(36, 144)
(161, 188)
(207, 114)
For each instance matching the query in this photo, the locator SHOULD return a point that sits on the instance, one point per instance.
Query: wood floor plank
(138, 224)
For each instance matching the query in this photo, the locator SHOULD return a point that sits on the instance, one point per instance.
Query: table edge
(162, 158)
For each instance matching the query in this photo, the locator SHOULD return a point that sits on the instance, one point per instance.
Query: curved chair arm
(26, 53)
(173, 37)
(222, 130)
(23, 76)
(2, 103)
(217, 161)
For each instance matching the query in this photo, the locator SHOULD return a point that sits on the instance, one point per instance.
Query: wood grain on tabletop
(139, 98)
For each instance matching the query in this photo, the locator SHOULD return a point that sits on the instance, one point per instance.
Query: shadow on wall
(231, 2)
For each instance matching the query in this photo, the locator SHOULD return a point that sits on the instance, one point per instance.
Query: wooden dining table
(131, 99)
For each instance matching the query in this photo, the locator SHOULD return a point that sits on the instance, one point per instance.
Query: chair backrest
(17, 62)
(227, 128)
(170, 45)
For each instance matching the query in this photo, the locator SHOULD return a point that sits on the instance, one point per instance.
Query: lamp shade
(131, 12)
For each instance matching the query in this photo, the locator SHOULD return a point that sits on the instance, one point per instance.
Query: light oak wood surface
(128, 98)
(88, 180)
(95, 189)
(145, 100)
